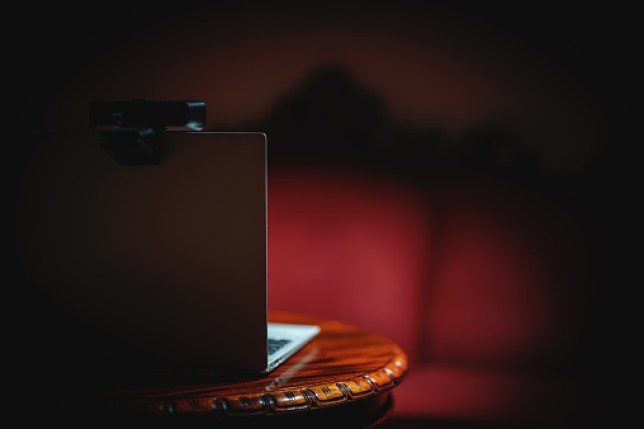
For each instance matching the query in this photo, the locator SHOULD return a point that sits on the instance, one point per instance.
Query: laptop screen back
(161, 264)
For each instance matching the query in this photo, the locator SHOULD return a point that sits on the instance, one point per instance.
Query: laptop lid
(148, 265)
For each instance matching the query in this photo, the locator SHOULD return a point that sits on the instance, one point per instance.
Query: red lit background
(442, 175)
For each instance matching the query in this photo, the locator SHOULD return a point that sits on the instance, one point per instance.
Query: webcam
(132, 130)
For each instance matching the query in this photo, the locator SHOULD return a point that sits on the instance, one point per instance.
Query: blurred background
(457, 176)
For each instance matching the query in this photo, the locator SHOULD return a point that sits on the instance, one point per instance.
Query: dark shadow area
(329, 114)
(359, 414)
(437, 423)
(333, 120)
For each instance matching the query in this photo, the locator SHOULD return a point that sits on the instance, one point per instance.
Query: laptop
(152, 266)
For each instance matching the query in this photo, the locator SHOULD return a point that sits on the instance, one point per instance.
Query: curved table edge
(292, 399)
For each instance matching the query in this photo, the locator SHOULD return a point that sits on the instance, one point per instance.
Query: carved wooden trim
(308, 397)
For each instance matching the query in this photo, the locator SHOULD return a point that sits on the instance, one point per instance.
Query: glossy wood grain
(342, 365)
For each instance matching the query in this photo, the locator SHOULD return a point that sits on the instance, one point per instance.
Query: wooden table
(344, 376)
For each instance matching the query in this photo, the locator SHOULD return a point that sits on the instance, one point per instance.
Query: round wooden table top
(342, 365)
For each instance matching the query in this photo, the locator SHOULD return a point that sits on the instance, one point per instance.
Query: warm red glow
(482, 283)
(348, 248)
(499, 292)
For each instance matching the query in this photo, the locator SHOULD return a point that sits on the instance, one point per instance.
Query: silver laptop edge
(299, 335)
